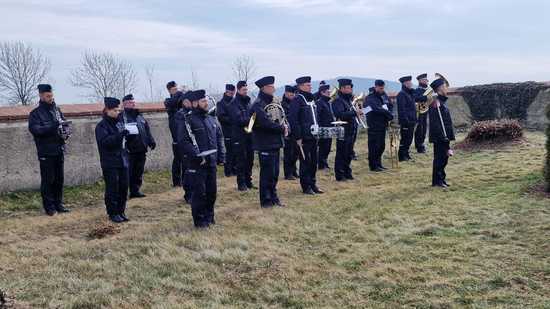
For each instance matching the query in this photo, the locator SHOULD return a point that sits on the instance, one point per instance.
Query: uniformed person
(239, 113)
(422, 121)
(326, 118)
(379, 114)
(137, 144)
(406, 109)
(46, 125)
(268, 138)
(111, 136)
(304, 130)
(223, 118)
(172, 105)
(290, 151)
(343, 111)
(181, 116)
(201, 141)
(441, 133)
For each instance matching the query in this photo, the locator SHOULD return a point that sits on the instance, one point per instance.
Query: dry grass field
(382, 241)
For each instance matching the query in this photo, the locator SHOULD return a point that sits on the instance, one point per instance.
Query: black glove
(153, 145)
(124, 132)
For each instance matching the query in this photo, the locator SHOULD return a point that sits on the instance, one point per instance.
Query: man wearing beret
(422, 121)
(406, 108)
(111, 136)
(343, 111)
(305, 131)
(290, 151)
(268, 139)
(181, 118)
(45, 122)
(172, 105)
(441, 133)
(379, 114)
(223, 117)
(239, 115)
(137, 144)
(201, 141)
(326, 118)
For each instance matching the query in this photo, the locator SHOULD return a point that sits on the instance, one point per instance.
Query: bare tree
(22, 68)
(154, 94)
(195, 84)
(244, 68)
(103, 75)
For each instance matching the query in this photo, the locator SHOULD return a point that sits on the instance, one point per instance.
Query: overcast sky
(471, 42)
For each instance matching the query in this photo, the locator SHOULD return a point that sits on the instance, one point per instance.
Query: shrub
(547, 163)
(495, 130)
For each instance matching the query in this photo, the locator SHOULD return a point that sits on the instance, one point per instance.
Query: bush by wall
(500, 101)
(495, 131)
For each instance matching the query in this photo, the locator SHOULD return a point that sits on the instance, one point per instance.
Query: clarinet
(63, 131)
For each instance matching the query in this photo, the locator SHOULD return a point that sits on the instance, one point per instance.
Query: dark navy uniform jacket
(406, 107)
(44, 127)
(419, 94)
(222, 113)
(324, 112)
(436, 132)
(379, 112)
(343, 112)
(108, 134)
(172, 105)
(301, 117)
(208, 136)
(239, 115)
(140, 142)
(266, 134)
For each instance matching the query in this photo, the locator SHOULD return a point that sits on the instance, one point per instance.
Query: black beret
(171, 84)
(323, 87)
(303, 80)
(264, 81)
(241, 84)
(379, 83)
(405, 79)
(44, 88)
(229, 87)
(197, 95)
(345, 82)
(111, 103)
(289, 88)
(422, 76)
(128, 97)
(437, 83)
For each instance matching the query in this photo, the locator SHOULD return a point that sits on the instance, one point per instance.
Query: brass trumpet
(356, 105)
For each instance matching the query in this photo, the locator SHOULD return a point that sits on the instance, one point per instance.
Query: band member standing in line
(181, 117)
(326, 118)
(305, 130)
(223, 117)
(343, 111)
(172, 105)
(441, 133)
(239, 113)
(268, 139)
(406, 109)
(290, 151)
(201, 140)
(46, 126)
(379, 114)
(137, 145)
(111, 136)
(422, 121)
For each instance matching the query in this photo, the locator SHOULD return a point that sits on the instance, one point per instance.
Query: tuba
(356, 105)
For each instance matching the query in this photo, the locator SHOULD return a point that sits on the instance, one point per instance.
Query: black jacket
(419, 94)
(406, 107)
(207, 134)
(109, 137)
(222, 109)
(172, 105)
(180, 118)
(379, 112)
(44, 127)
(301, 117)
(343, 112)
(324, 112)
(266, 134)
(436, 132)
(138, 143)
(239, 115)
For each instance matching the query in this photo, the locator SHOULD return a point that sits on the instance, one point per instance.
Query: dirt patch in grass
(103, 231)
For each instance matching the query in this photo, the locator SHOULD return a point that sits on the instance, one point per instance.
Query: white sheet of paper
(132, 128)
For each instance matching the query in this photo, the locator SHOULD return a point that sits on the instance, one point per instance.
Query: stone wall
(19, 168)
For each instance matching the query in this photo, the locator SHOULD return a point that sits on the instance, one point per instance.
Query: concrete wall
(19, 168)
